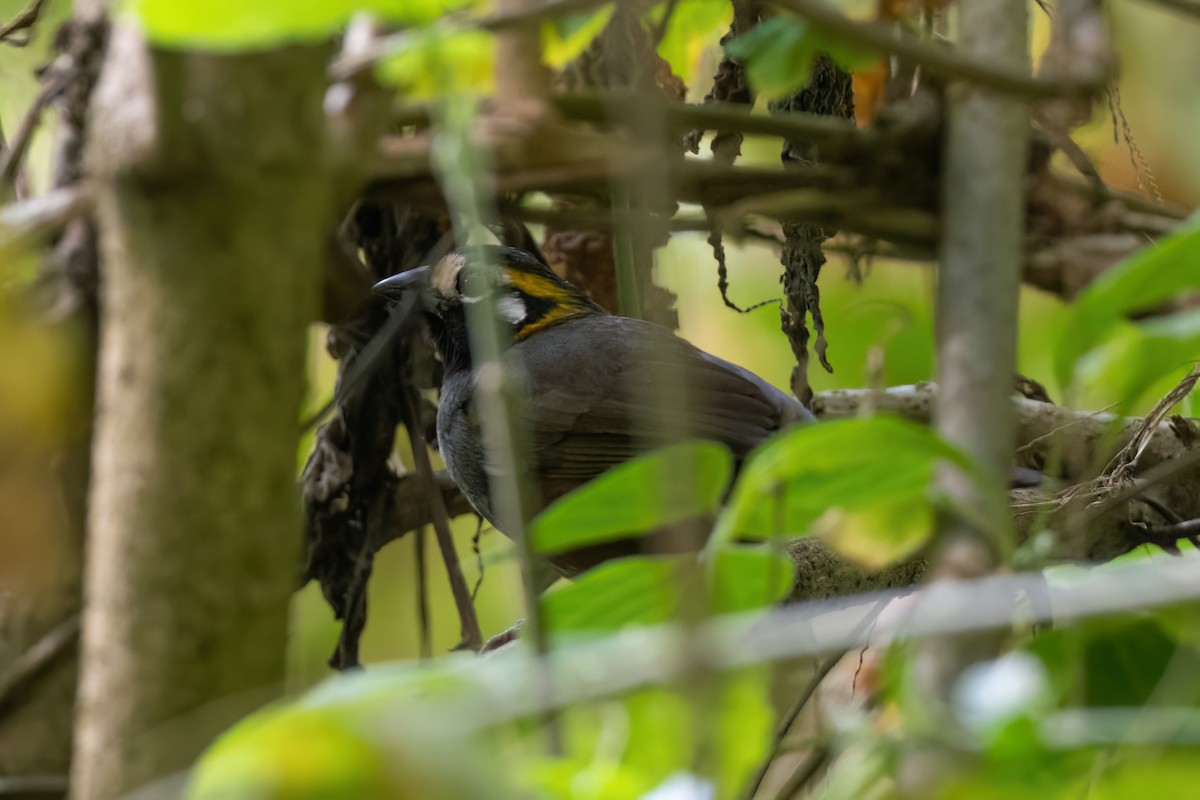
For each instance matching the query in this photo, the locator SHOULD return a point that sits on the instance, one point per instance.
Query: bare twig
(882, 38)
(23, 24)
(1124, 462)
(471, 637)
(33, 661)
(29, 222)
(823, 669)
(13, 155)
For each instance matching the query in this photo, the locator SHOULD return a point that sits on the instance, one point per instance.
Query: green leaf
(232, 25)
(616, 594)
(1137, 355)
(564, 38)
(873, 476)
(694, 26)
(645, 494)
(746, 720)
(880, 534)
(1113, 662)
(779, 52)
(1151, 276)
(748, 577)
(436, 62)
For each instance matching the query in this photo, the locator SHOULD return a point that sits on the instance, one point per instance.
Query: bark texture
(212, 207)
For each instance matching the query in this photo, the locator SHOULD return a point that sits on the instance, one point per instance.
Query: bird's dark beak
(413, 281)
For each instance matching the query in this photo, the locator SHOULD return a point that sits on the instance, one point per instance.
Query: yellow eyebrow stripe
(553, 317)
(535, 286)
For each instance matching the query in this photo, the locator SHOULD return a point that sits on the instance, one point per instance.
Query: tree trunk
(212, 209)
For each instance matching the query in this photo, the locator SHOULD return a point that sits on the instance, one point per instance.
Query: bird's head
(529, 296)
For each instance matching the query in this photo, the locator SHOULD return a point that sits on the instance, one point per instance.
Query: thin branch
(29, 222)
(471, 637)
(822, 671)
(30, 664)
(23, 23)
(804, 773)
(13, 155)
(882, 38)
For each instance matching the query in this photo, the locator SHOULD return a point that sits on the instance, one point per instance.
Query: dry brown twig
(22, 24)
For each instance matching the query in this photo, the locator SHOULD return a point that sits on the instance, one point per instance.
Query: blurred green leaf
(621, 592)
(650, 492)
(694, 26)
(746, 720)
(564, 38)
(290, 754)
(746, 577)
(1151, 276)
(231, 25)
(875, 475)
(439, 61)
(779, 53)
(1118, 661)
(880, 534)
(1130, 362)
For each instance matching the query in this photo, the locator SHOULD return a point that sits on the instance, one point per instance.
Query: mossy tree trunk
(212, 207)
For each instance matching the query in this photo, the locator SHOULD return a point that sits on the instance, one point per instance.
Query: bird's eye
(470, 283)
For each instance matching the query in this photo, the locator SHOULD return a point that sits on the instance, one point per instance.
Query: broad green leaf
(779, 52)
(1111, 662)
(747, 577)
(875, 475)
(566, 37)
(1136, 355)
(618, 593)
(436, 62)
(292, 754)
(880, 534)
(695, 26)
(1151, 276)
(662, 488)
(232, 25)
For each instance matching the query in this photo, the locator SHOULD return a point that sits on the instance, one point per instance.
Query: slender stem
(472, 639)
(976, 67)
(983, 201)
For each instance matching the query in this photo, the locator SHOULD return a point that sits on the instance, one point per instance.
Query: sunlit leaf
(618, 593)
(695, 26)
(436, 62)
(746, 577)
(238, 25)
(1151, 276)
(874, 475)
(645, 494)
(779, 52)
(566, 37)
(881, 533)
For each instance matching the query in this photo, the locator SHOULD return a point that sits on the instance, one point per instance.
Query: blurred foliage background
(878, 316)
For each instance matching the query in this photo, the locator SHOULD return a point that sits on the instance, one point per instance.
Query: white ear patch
(512, 309)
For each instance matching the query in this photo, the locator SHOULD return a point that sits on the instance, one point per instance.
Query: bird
(598, 388)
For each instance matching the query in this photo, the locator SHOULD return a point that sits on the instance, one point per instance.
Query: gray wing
(614, 387)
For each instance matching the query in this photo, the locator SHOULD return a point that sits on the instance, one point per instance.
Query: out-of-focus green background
(885, 320)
